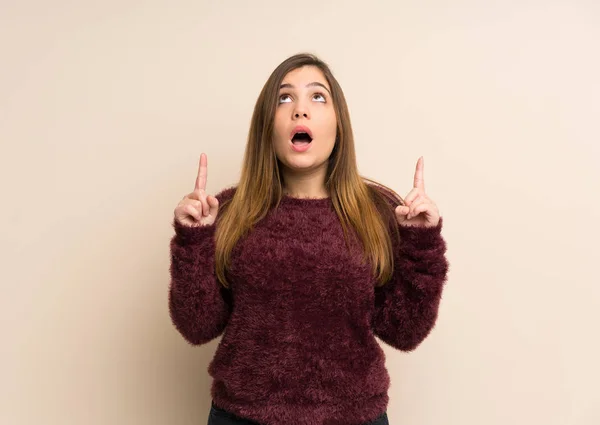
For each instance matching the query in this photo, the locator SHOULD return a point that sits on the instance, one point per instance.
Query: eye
(282, 98)
(319, 96)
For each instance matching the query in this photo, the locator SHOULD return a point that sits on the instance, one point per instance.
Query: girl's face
(305, 121)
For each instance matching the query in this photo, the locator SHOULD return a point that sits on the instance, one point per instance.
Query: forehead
(300, 77)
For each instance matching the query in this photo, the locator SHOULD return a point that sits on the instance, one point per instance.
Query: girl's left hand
(419, 210)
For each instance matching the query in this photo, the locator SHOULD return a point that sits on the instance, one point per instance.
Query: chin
(303, 163)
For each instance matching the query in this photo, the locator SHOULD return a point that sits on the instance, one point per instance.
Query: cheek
(279, 128)
(329, 124)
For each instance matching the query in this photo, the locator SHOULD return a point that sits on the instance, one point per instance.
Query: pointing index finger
(419, 182)
(202, 173)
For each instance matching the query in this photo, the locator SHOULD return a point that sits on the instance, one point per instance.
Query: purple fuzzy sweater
(301, 315)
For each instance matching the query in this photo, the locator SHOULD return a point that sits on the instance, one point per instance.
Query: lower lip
(301, 148)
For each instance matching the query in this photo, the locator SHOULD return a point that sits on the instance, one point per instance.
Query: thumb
(213, 203)
(401, 212)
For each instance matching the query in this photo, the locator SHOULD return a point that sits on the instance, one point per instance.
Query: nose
(301, 111)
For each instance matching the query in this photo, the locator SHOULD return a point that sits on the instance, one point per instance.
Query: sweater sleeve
(199, 305)
(406, 307)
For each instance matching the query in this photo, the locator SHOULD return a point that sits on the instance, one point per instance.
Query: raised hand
(197, 208)
(420, 210)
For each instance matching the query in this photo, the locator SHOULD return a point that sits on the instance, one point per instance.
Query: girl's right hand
(197, 208)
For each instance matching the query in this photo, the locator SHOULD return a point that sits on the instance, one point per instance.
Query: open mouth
(301, 138)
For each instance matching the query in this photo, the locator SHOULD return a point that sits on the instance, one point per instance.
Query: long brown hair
(358, 204)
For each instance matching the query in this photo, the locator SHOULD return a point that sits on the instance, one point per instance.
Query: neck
(306, 184)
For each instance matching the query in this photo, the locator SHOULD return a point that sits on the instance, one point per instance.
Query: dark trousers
(220, 416)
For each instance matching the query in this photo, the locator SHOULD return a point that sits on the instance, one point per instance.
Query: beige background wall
(105, 107)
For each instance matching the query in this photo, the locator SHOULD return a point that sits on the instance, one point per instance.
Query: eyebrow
(313, 84)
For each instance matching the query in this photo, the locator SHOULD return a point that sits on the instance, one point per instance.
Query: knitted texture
(300, 318)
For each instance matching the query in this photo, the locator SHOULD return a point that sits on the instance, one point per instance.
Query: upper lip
(301, 129)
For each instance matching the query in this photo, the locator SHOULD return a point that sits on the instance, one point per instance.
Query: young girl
(302, 263)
